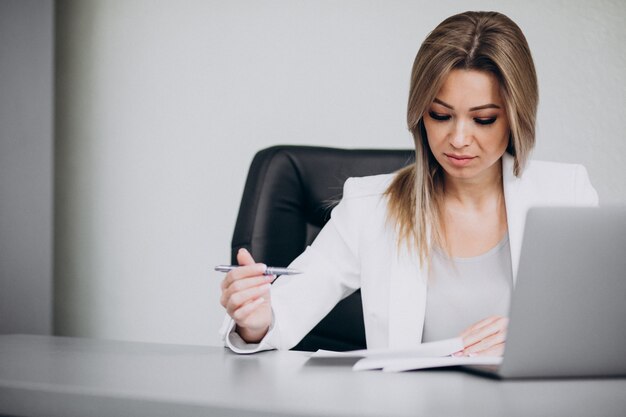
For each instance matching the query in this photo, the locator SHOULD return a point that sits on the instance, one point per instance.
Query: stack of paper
(426, 355)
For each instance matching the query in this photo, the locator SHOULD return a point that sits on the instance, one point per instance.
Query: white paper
(440, 348)
(426, 355)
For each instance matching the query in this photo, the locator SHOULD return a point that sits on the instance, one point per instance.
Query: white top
(463, 291)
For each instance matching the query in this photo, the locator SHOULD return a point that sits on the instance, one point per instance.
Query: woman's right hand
(246, 297)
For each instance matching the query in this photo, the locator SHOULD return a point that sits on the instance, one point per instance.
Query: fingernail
(270, 278)
(242, 250)
(457, 354)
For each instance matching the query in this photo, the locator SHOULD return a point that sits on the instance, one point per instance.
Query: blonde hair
(483, 41)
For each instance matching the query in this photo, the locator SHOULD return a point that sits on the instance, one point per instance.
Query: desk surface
(52, 376)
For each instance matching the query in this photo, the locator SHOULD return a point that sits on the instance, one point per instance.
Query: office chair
(288, 197)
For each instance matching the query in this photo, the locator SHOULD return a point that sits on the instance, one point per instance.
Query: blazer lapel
(407, 301)
(517, 202)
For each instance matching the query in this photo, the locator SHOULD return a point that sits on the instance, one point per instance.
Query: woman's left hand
(485, 338)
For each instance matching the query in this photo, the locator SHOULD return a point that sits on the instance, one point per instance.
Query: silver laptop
(568, 310)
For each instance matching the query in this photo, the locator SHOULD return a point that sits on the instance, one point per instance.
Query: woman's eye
(437, 116)
(485, 121)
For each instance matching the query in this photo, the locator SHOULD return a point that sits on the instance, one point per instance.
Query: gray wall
(26, 163)
(161, 106)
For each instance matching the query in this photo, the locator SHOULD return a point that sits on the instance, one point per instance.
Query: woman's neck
(477, 192)
(473, 213)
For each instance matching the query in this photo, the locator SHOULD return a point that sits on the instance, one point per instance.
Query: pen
(271, 270)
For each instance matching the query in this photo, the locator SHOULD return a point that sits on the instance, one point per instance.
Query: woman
(435, 247)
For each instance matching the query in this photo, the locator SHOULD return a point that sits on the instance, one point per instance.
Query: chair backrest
(287, 199)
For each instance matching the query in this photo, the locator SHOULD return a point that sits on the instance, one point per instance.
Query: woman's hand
(246, 297)
(485, 338)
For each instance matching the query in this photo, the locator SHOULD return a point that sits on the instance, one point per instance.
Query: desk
(54, 376)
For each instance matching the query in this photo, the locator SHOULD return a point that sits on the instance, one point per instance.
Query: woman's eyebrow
(484, 106)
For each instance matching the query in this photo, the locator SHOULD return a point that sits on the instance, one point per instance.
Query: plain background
(160, 107)
(26, 165)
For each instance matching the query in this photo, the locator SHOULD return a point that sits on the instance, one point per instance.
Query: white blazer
(358, 248)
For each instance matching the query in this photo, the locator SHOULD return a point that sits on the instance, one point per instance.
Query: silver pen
(270, 270)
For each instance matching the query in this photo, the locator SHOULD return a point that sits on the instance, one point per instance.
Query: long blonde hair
(483, 41)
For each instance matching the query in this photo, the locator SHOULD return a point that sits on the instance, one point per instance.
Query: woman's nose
(461, 136)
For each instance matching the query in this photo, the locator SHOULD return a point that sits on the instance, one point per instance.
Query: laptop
(568, 308)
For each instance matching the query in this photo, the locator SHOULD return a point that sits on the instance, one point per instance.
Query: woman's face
(467, 125)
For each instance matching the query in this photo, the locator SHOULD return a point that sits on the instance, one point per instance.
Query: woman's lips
(459, 160)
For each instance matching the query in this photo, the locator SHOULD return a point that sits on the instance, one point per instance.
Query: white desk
(49, 376)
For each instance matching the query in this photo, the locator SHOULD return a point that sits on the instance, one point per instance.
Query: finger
(237, 300)
(248, 271)
(244, 284)
(494, 327)
(485, 344)
(478, 325)
(242, 313)
(483, 334)
(244, 257)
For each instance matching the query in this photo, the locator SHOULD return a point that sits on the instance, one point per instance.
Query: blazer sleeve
(330, 273)
(586, 195)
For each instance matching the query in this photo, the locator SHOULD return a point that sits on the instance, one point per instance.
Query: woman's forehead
(465, 89)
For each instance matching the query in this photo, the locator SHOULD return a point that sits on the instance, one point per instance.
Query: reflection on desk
(54, 376)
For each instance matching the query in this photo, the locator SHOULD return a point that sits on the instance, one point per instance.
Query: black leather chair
(287, 199)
